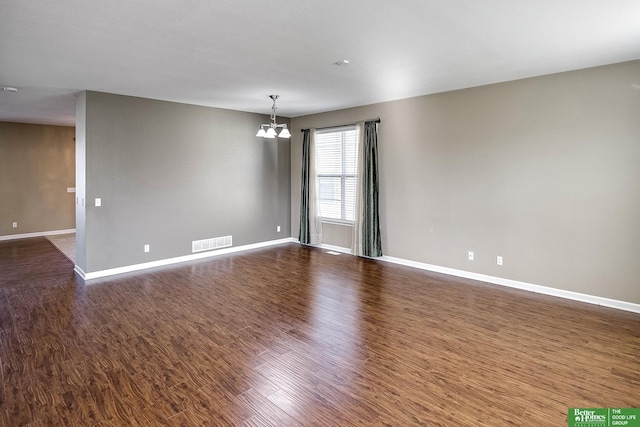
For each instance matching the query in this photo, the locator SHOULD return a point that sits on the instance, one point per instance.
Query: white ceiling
(234, 53)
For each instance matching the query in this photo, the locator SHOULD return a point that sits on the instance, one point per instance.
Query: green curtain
(305, 230)
(370, 234)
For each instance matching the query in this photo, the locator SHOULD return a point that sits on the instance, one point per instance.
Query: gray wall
(36, 168)
(543, 171)
(81, 144)
(171, 173)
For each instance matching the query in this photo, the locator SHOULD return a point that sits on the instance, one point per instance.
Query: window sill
(332, 221)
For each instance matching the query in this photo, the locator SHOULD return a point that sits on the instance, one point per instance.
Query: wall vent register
(213, 243)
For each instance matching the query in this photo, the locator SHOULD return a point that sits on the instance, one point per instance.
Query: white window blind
(336, 152)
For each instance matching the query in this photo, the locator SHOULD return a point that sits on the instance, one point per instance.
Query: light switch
(98, 201)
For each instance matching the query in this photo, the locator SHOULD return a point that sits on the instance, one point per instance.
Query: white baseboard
(335, 248)
(37, 234)
(185, 258)
(576, 296)
(79, 271)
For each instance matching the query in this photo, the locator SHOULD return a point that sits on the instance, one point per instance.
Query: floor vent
(209, 244)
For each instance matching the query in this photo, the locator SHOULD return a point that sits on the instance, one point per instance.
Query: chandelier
(271, 128)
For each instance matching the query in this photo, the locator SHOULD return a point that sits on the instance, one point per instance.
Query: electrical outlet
(278, 229)
(499, 260)
(146, 248)
(14, 225)
(98, 201)
(470, 256)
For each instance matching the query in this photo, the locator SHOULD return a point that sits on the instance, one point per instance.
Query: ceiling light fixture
(271, 128)
(9, 89)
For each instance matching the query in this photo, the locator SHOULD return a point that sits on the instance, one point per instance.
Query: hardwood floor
(291, 336)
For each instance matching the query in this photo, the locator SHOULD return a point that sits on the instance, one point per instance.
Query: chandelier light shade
(284, 133)
(270, 130)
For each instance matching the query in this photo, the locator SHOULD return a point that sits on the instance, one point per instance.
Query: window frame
(343, 176)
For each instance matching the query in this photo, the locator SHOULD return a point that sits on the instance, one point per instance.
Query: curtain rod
(348, 124)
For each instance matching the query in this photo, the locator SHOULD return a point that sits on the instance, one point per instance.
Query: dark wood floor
(289, 336)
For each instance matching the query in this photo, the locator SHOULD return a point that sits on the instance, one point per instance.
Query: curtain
(310, 228)
(366, 229)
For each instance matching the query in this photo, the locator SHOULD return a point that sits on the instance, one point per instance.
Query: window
(336, 152)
